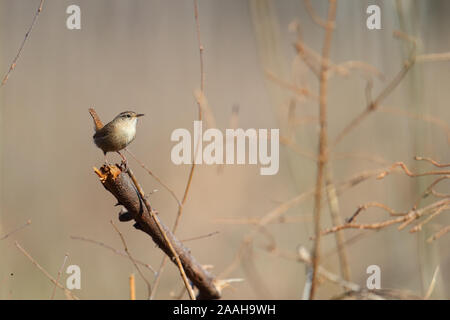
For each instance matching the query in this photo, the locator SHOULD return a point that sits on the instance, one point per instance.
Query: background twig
(27, 35)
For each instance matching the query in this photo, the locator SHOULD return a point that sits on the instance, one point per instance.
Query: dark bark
(121, 186)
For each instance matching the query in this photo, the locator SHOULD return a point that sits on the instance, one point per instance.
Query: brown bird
(117, 134)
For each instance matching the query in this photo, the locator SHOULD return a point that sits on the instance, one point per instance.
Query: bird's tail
(97, 122)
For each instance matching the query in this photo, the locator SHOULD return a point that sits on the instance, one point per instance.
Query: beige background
(143, 56)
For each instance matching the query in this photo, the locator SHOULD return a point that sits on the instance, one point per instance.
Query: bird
(117, 134)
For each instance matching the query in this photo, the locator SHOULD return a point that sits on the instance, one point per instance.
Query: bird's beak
(140, 115)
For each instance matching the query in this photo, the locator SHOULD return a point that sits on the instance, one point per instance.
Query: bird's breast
(125, 133)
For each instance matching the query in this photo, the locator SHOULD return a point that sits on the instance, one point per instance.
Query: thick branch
(120, 185)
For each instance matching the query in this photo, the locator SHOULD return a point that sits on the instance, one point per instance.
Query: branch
(163, 233)
(191, 171)
(15, 230)
(14, 62)
(404, 219)
(59, 275)
(120, 253)
(149, 287)
(68, 293)
(409, 173)
(323, 147)
(373, 105)
(119, 184)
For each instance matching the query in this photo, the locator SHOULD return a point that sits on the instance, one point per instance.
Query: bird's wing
(102, 132)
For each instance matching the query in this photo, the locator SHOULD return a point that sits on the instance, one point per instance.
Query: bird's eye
(128, 116)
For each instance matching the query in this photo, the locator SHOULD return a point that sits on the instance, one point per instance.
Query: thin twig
(304, 256)
(59, 275)
(405, 219)
(155, 177)
(418, 116)
(56, 283)
(419, 226)
(316, 18)
(120, 253)
(30, 29)
(158, 274)
(323, 148)
(409, 173)
(432, 284)
(200, 237)
(363, 207)
(303, 92)
(429, 190)
(333, 204)
(161, 229)
(191, 172)
(433, 57)
(439, 234)
(202, 89)
(255, 220)
(281, 209)
(132, 287)
(373, 105)
(149, 287)
(15, 230)
(433, 162)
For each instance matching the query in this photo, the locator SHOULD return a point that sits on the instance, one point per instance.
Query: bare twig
(409, 173)
(429, 190)
(277, 213)
(323, 148)
(313, 60)
(317, 19)
(201, 237)
(441, 124)
(433, 215)
(30, 29)
(256, 220)
(162, 231)
(158, 274)
(202, 89)
(15, 230)
(155, 177)
(149, 287)
(120, 253)
(291, 87)
(433, 57)
(191, 172)
(404, 219)
(439, 234)
(363, 207)
(56, 283)
(305, 257)
(432, 284)
(433, 162)
(127, 193)
(373, 105)
(59, 275)
(333, 204)
(294, 147)
(132, 287)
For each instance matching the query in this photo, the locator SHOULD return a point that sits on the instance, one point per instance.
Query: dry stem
(30, 29)
(68, 293)
(149, 287)
(323, 148)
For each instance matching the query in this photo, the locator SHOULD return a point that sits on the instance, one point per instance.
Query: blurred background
(143, 56)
